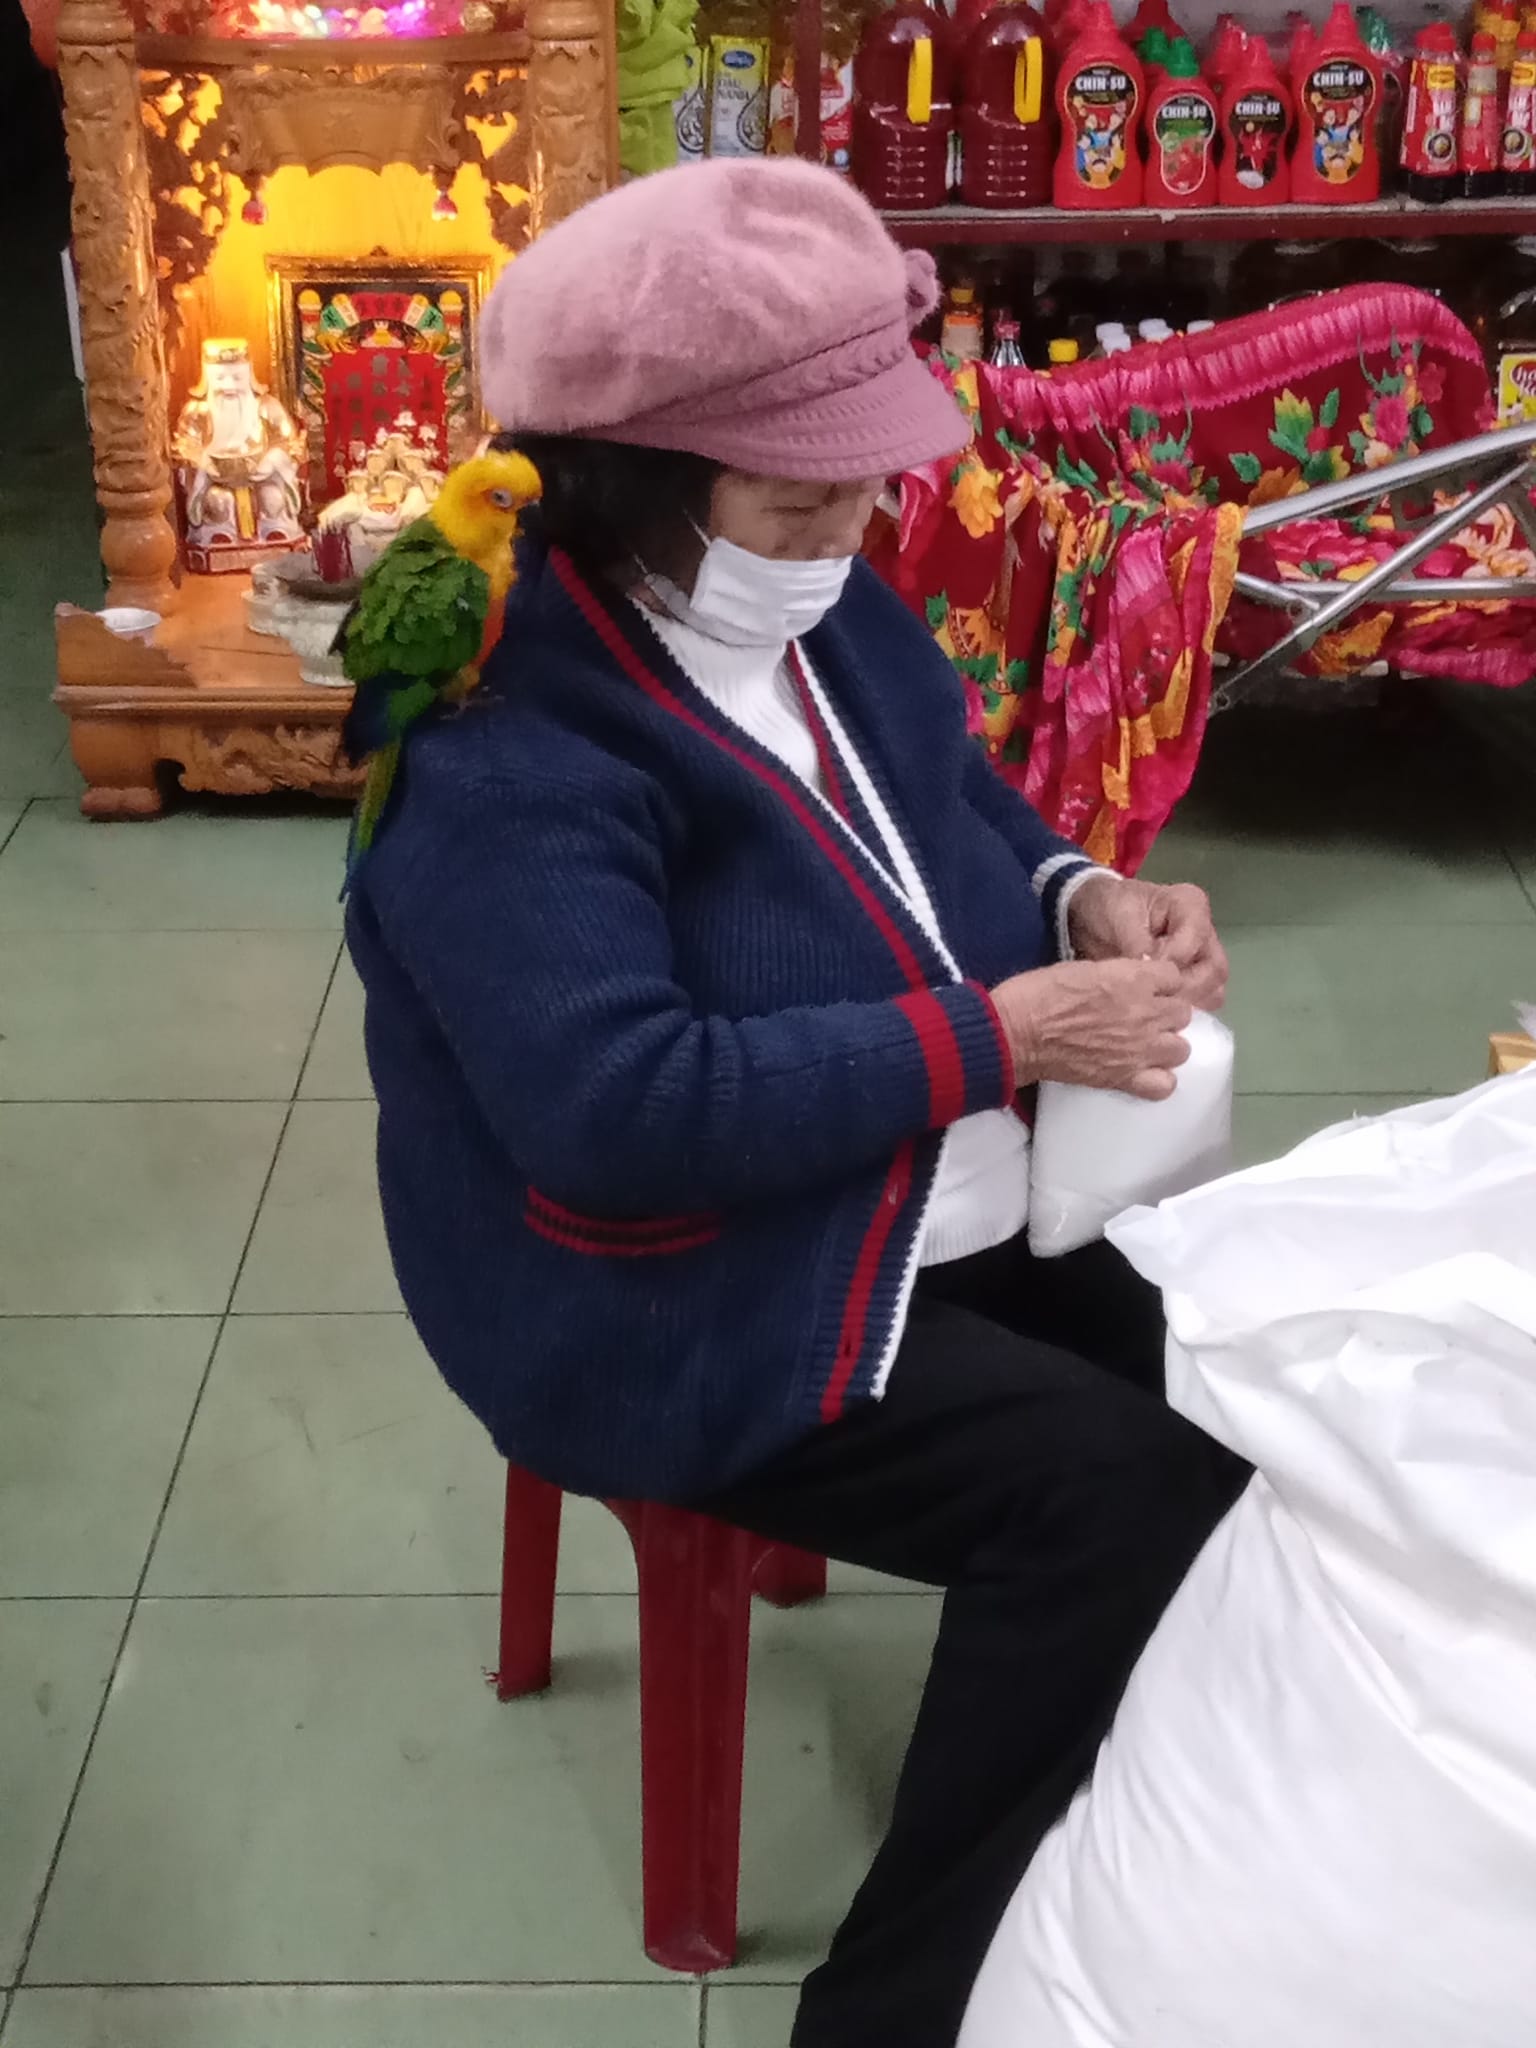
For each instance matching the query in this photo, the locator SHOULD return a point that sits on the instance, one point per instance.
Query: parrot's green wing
(421, 611)
(418, 621)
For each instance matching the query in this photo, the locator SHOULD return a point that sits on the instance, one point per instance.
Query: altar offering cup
(129, 622)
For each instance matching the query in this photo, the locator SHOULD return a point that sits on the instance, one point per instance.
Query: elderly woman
(708, 969)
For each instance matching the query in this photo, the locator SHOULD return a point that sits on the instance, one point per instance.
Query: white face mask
(747, 600)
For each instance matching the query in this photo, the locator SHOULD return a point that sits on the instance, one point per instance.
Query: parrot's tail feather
(384, 709)
(371, 806)
(365, 728)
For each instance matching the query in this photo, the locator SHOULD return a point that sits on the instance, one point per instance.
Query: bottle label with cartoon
(1101, 101)
(1183, 132)
(1259, 121)
(1338, 98)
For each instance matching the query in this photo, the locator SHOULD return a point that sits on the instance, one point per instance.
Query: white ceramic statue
(239, 459)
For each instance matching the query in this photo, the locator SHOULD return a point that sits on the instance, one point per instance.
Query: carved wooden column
(570, 109)
(119, 310)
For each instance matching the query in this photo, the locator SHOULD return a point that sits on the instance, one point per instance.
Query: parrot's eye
(501, 499)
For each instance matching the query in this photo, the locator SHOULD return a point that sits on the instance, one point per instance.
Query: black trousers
(1024, 1460)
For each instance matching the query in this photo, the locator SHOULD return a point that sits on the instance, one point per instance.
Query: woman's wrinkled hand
(1100, 1023)
(1120, 920)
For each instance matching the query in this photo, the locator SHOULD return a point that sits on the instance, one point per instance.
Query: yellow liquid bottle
(737, 36)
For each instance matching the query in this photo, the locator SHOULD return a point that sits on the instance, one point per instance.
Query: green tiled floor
(253, 1790)
(249, 1768)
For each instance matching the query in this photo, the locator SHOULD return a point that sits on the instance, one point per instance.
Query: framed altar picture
(377, 352)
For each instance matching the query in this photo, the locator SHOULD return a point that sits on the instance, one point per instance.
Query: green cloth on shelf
(654, 39)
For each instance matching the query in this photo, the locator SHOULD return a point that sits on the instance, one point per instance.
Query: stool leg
(695, 1610)
(786, 1577)
(530, 1553)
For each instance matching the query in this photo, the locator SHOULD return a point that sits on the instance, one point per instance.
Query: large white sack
(1098, 1151)
(1315, 1819)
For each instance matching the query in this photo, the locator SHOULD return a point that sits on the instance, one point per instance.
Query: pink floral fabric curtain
(1077, 561)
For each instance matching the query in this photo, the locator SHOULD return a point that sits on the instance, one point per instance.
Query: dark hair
(612, 507)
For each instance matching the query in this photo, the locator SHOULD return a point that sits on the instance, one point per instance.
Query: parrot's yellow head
(478, 505)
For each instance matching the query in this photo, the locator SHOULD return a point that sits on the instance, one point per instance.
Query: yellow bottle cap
(962, 294)
(1063, 351)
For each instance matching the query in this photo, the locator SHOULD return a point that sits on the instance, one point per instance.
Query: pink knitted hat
(756, 312)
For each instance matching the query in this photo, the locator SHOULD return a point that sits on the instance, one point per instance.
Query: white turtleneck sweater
(981, 1191)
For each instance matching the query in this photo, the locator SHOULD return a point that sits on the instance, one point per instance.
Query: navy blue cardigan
(662, 1061)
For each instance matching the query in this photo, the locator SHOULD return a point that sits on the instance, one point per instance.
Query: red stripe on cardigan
(594, 1248)
(634, 666)
(941, 1051)
(826, 753)
(898, 1182)
(1004, 1049)
(850, 1341)
(616, 1226)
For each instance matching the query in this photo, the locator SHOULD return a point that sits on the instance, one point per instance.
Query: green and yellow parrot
(427, 615)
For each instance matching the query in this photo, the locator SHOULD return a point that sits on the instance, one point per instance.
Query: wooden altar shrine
(201, 162)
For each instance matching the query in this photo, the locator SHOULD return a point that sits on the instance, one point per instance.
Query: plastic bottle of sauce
(1517, 153)
(903, 111)
(1377, 34)
(1225, 50)
(1431, 172)
(961, 335)
(1064, 21)
(1255, 165)
(1501, 20)
(1482, 130)
(1007, 133)
(1336, 160)
(1181, 133)
(1149, 15)
(1152, 49)
(1099, 97)
(963, 17)
(1299, 51)
(840, 24)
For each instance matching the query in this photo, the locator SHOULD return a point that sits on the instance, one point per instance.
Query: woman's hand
(1119, 920)
(1100, 1023)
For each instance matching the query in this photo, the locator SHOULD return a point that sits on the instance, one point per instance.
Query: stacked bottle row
(1010, 306)
(1007, 307)
(1010, 108)
(1001, 106)
(1469, 127)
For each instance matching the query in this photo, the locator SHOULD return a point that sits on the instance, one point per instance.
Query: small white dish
(129, 622)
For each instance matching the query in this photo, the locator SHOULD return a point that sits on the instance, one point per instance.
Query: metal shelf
(1396, 218)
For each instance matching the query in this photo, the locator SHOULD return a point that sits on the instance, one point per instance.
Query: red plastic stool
(696, 1582)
